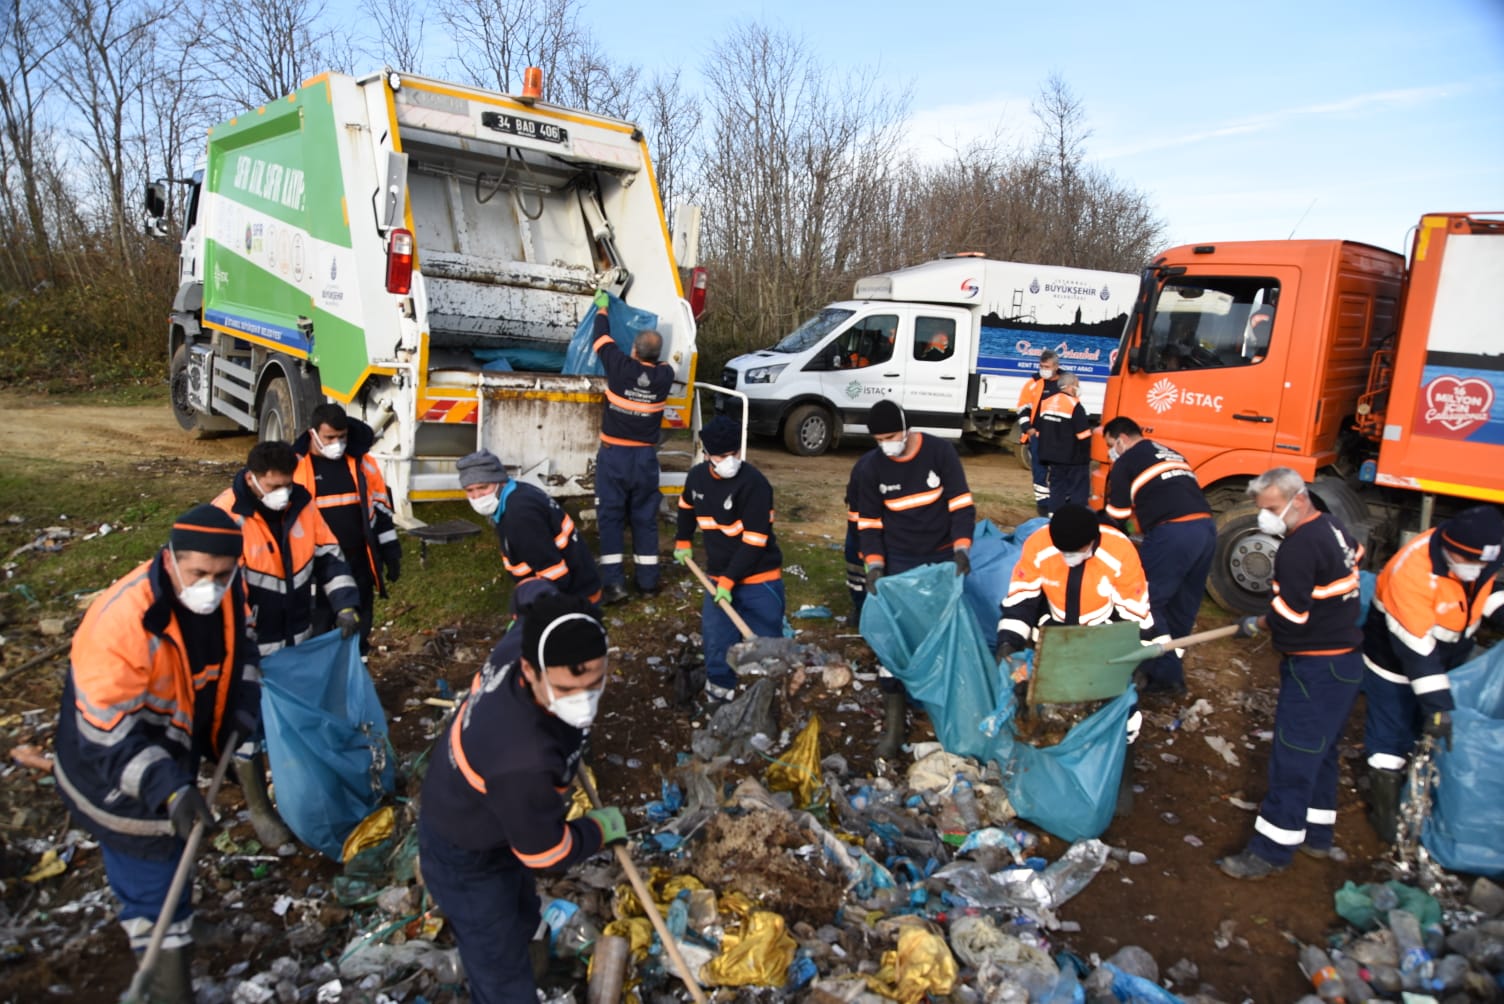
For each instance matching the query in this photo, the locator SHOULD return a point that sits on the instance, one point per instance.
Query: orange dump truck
(1382, 386)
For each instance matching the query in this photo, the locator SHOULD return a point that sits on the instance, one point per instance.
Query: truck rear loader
(1382, 386)
(421, 252)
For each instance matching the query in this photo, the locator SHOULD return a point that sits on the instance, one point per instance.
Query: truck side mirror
(156, 198)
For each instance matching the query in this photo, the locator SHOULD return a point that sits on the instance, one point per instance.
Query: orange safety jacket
(1108, 586)
(380, 537)
(130, 731)
(1062, 430)
(1422, 620)
(281, 565)
(1034, 392)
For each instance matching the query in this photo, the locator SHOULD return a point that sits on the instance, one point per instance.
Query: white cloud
(935, 134)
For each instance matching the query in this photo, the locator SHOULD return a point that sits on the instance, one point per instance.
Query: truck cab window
(934, 339)
(868, 342)
(1210, 322)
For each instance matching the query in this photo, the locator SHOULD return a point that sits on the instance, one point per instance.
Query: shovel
(1075, 663)
(725, 606)
(137, 991)
(646, 899)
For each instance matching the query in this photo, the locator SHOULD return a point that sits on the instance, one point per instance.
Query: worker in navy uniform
(1313, 623)
(731, 503)
(626, 465)
(1041, 386)
(856, 568)
(1154, 487)
(538, 538)
(1062, 433)
(493, 806)
(1428, 603)
(913, 508)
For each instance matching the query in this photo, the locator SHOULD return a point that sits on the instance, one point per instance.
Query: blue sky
(1240, 120)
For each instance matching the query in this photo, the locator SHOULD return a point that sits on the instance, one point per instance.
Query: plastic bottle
(570, 932)
(1073, 870)
(966, 804)
(1451, 972)
(1416, 964)
(1124, 854)
(1317, 966)
(1352, 978)
(1384, 898)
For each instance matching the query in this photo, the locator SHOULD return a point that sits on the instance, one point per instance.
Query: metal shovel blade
(1073, 664)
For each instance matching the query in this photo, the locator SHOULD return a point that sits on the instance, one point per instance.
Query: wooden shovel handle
(1201, 636)
(736, 618)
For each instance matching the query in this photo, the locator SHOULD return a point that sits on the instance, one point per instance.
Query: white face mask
(1047, 373)
(204, 596)
(1275, 526)
(727, 467)
(1074, 558)
(577, 709)
(893, 447)
(486, 504)
(276, 500)
(1113, 454)
(332, 450)
(1465, 572)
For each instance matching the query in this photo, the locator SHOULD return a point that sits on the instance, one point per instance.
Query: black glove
(1439, 727)
(1248, 627)
(874, 573)
(963, 561)
(186, 807)
(348, 622)
(393, 570)
(247, 724)
(1004, 652)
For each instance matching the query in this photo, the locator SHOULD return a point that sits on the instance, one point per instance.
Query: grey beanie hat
(481, 468)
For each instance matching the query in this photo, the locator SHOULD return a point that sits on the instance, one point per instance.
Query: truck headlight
(764, 374)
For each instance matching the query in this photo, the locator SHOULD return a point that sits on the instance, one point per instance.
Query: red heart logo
(1451, 407)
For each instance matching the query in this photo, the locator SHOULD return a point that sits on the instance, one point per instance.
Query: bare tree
(28, 42)
(399, 32)
(255, 51)
(496, 39)
(589, 79)
(671, 119)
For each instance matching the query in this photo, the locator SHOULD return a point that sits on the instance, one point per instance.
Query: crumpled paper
(757, 955)
(922, 964)
(798, 769)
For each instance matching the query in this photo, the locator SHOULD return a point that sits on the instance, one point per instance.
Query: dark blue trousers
(761, 606)
(1316, 692)
(1392, 721)
(1041, 480)
(1177, 558)
(626, 494)
(856, 574)
(141, 885)
(493, 909)
(1069, 483)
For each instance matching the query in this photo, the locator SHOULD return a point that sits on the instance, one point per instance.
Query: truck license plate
(529, 128)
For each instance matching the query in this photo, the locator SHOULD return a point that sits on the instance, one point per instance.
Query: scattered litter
(1223, 748)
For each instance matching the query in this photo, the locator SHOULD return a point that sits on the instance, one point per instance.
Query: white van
(952, 340)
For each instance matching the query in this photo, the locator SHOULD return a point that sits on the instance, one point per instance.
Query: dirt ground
(1194, 802)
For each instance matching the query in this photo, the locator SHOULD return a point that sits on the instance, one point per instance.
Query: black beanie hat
(721, 436)
(207, 529)
(562, 630)
(1074, 528)
(885, 417)
(1476, 533)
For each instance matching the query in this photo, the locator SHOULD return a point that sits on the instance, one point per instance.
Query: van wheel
(182, 400)
(1021, 452)
(1242, 575)
(278, 417)
(808, 431)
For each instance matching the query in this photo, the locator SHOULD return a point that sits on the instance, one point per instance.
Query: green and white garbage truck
(421, 252)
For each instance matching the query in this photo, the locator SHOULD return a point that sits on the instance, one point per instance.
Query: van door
(861, 365)
(934, 391)
(1208, 375)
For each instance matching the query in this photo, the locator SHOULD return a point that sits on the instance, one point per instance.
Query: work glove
(874, 573)
(963, 561)
(602, 299)
(186, 806)
(348, 622)
(1248, 627)
(247, 724)
(722, 594)
(681, 555)
(393, 570)
(613, 827)
(1439, 727)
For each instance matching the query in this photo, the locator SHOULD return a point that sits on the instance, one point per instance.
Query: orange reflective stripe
(601, 342)
(960, 501)
(642, 408)
(755, 539)
(457, 749)
(555, 571)
(566, 528)
(1346, 584)
(769, 576)
(618, 441)
(914, 501)
(335, 501)
(709, 523)
(558, 852)
(521, 569)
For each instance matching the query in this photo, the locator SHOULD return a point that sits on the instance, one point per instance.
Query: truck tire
(178, 391)
(1243, 562)
(1021, 454)
(809, 430)
(278, 418)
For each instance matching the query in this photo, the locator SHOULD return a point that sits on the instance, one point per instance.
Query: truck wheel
(809, 431)
(182, 402)
(1021, 452)
(1243, 563)
(279, 417)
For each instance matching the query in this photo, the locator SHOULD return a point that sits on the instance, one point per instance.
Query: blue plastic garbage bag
(326, 739)
(1069, 789)
(626, 323)
(993, 554)
(923, 631)
(1467, 812)
(1368, 584)
(527, 360)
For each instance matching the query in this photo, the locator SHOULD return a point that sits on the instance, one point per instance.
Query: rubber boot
(269, 827)
(171, 981)
(1384, 802)
(894, 725)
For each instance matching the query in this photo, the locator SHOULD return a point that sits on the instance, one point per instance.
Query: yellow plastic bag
(579, 802)
(921, 965)
(798, 769)
(49, 867)
(369, 832)
(660, 883)
(637, 930)
(758, 955)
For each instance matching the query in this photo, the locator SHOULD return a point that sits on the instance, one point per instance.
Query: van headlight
(764, 374)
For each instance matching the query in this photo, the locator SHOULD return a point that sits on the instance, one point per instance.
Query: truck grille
(728, 378)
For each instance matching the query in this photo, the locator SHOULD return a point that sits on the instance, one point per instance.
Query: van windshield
(813, 331)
